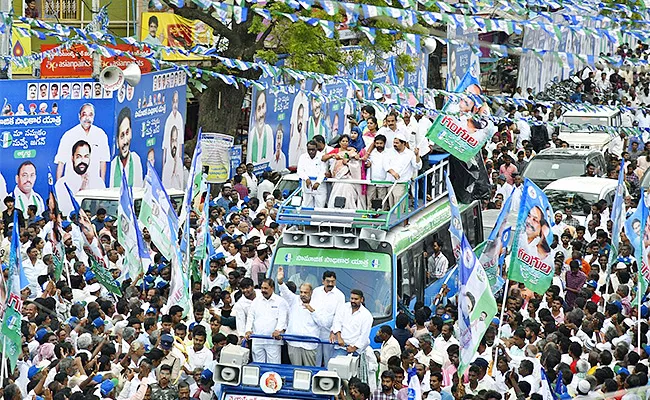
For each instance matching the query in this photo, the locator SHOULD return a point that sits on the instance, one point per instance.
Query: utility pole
(94, 27)
(5, 42)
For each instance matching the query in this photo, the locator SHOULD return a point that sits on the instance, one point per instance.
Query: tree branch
(267, 32)
(217, 26)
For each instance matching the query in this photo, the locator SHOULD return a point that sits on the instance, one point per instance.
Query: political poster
(71, 126)
(77, 61)
(492, 256)
(216, 156)
(463, 127)
(460, 53)
(283, 121)
(531, 260)
(476, 304)
(149, 127)
(171, 30)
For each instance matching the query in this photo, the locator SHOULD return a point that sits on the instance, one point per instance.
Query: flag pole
(638, 311)
(3, 369)
(503, 311)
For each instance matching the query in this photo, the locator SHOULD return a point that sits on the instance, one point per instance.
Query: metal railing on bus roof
(422, 191)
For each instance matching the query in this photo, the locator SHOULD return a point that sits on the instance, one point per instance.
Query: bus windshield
(369, 272)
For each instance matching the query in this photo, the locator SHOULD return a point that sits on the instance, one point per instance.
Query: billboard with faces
(68, 126)
(282, 122)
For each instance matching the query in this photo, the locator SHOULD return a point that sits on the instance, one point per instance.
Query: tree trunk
(220, 107)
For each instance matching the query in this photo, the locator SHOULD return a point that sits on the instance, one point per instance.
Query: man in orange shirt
(584, 265)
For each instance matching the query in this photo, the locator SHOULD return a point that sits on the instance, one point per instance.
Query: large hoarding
(71, 127)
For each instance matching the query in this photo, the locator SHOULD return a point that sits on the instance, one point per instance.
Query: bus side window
(405, 277)
(419, 270)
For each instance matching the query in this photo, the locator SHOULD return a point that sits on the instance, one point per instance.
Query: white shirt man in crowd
(310, 166)
(243, 305)
(267, 316)
(378, 162)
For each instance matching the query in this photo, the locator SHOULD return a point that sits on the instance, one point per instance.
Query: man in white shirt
(242, 307)
(251, 180)
(404, 163)
(617, 144)
(34, 268)
(389, 347)
(302, 322)
(391, 129)
(266, 186)
(267, 316)
(503, 187)
(351, 327)
(198, 356)
(314, 193)
(93, 135)
(377, 162)
(174, 122)
(326, 298)
(24, 192)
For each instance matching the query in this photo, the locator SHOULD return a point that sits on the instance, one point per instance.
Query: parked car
(93, 199)
(552, 164)
(584, 130)
(580, 193)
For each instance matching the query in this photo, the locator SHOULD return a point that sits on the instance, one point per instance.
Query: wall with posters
(71, 127)
(282, 123)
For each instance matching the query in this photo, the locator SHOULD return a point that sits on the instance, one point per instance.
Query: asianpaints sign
(77, 62)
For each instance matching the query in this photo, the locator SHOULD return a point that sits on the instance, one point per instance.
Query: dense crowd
(82, 342)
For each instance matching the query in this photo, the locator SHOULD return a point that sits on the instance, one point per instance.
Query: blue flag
(136, 256)
(456, 225)
(75, 205)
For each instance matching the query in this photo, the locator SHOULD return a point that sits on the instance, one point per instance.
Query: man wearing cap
(260, 263)
(503, 187)
(216, 277)
(267, 316)
(559, 227)
(166, 345)
(404, 165)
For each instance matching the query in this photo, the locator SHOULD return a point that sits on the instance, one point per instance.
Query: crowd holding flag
(16, 282)
(492, 258)
(56, 236)
(531, 259)
(136, 256)
(158, 216)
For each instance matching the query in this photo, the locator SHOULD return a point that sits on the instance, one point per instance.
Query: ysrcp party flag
(494, 252)
(463, 126)
(202, 229)
(55, 236)
(136, 257)
(531, 260)
(158, 216)
(456, 225)
(618, 215)
(633, 227)
(476, 304)
(179, 293)
(17, 281)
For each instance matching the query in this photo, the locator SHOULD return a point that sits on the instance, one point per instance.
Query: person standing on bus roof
(405, 163)
(326, 298)
(314, 193)
(437, 264)
(302, 322)
(351, 327)
(267, 316)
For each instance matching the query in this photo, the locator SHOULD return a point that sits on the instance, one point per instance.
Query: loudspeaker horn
(326, 383)
(429, 45)
(112, 78)
(227, 374)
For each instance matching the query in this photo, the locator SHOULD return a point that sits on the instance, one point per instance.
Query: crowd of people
(82, 342)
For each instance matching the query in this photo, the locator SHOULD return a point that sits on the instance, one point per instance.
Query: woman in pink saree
(346, 166)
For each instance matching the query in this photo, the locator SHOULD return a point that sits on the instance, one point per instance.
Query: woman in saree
(370, 131)
(346, 166)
